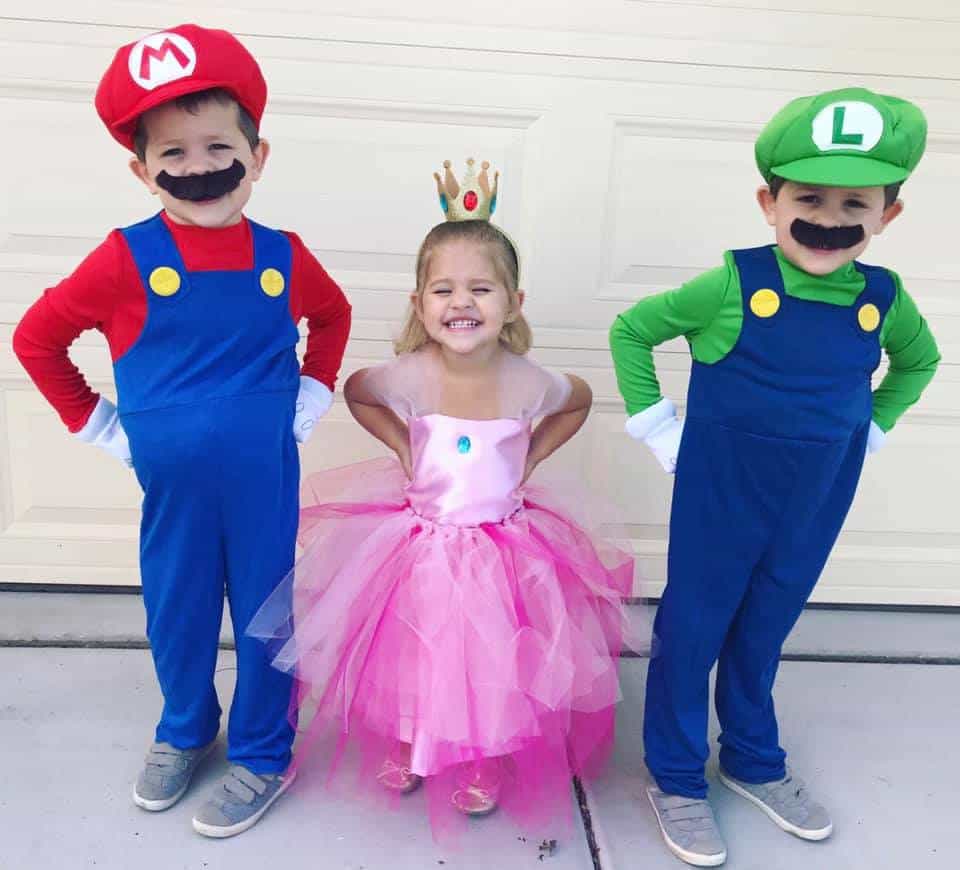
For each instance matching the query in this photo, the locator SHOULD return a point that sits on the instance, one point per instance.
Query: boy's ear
(139, 169)
(894, 210)
(768, 204)
(260, 155)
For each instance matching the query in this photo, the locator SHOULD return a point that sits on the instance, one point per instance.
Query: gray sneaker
(166, 775)
(689, 828)
(788, 803)
(238, 801)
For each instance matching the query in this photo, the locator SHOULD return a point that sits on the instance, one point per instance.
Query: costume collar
(803, 284)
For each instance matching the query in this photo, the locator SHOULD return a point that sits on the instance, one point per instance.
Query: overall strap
(155, 253)
(879, 289)
(272, 259)
(761, 282)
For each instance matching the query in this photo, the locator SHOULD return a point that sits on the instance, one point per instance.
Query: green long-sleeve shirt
(708, 311)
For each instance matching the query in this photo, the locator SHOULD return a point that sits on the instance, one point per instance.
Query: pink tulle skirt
(496, 641)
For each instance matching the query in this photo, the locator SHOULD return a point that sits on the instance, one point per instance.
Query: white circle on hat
(161, 58)
(848, 125)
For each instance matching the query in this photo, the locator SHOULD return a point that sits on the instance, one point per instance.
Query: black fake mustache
(826, 238)
(210, 185)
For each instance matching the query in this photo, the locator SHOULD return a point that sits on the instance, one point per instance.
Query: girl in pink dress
(451, 625)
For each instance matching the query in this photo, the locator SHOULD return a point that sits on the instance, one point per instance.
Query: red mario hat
(169, 64)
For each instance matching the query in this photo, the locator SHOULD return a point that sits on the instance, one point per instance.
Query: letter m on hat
(161, 58)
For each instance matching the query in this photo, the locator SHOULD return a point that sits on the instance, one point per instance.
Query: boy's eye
(442, 291)
(172, 152)
(481, 289)
(219, 146)
(855, 203)
(809, 198)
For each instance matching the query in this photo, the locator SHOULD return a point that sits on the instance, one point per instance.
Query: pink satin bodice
(466, 472)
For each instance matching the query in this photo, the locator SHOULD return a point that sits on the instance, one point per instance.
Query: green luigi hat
(847, 138)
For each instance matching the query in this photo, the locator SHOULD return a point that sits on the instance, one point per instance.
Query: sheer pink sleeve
(404, 385)
(530, 391)
(556, 393)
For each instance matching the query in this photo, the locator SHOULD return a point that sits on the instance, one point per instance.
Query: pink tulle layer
(465, 642)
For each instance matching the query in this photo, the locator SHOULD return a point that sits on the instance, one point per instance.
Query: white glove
(660, 429)
(103, 430)
(875, 438)
(313, 401)
(664, 441)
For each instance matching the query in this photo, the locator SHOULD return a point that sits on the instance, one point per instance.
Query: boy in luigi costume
(780, 414)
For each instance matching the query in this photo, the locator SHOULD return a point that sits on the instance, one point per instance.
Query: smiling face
(209, 139)
(825, 207)
(463, 302)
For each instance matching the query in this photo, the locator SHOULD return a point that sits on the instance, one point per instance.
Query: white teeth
(463, 324)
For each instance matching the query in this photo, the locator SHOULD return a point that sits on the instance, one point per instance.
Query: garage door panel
(624, 132)
(921, 43)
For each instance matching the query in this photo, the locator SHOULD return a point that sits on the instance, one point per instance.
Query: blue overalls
(207, 396)
(772, 449)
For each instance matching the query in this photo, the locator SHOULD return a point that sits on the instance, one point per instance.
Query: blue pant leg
(719, 523)
(182, 568)
(261, 511)
(778, 591)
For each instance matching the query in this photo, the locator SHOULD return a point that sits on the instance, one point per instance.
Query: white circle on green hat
(847, 125)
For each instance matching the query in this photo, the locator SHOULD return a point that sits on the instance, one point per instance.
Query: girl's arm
(379, 420)
(558, 428)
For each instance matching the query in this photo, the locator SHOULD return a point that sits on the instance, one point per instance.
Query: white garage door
(624, 132)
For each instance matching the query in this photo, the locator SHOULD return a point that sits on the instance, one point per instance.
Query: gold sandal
(478, 788)
(397, 777)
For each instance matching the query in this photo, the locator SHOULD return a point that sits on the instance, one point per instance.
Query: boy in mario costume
(780, 413)
(200, 306)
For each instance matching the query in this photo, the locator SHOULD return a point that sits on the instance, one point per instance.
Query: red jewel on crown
(470, 199)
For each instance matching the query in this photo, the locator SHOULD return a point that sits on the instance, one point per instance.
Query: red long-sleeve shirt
(106, 293)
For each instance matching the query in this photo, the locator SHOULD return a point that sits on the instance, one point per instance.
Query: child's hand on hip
(664, 441)
(660, 429)
(313, 401)
(406, 460)
(875, 438)
(528, 470)
(103, 430)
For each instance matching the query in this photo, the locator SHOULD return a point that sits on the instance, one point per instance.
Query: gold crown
(473, 199)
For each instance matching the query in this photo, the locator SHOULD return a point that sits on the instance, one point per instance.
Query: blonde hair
(515, 335)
